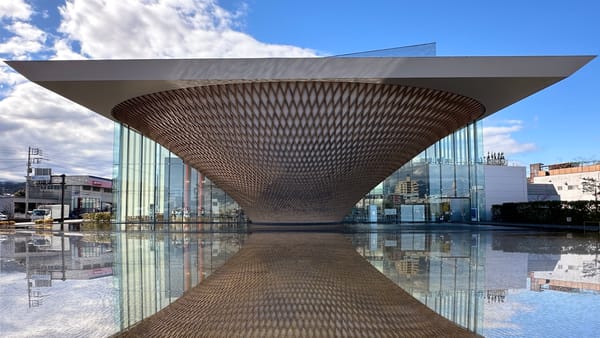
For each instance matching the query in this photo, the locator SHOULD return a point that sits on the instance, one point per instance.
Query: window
(86, 187)
(96, 188)
(572, 187)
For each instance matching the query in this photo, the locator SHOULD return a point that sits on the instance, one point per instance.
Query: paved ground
(296, 284)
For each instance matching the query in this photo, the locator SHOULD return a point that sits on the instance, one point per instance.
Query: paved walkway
(296, 285)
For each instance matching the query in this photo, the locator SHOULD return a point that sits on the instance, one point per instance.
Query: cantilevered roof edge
(495, 81)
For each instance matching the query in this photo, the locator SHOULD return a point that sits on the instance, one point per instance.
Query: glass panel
(447, 170)
(426, 49)
(153, 186)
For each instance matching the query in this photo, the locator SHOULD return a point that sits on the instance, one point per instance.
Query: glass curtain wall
(444, 183)
(155, 188)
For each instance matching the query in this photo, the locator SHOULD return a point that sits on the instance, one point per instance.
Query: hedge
(546, 212)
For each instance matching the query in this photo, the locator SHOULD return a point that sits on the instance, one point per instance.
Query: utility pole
(35, 152)
(62, 205)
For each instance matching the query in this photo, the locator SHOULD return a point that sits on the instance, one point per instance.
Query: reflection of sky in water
(168, 263)
(71, 308)
(544, 314)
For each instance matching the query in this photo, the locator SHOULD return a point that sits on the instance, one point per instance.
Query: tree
(591, 186)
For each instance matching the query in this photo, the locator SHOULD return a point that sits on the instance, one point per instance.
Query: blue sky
(556, 125)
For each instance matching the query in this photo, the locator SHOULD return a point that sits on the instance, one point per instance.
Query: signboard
(390, 212)
(41, 174)
(100, 183)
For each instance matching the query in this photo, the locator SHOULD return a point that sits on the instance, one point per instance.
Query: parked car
(3, 217)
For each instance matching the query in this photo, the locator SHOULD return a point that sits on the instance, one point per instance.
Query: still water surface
(495, 281)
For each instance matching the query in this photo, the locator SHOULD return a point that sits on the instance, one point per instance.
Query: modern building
(299, 140)
(565, 179)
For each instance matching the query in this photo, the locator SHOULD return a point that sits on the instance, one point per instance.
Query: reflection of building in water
(47, 257)
(443, 271)
(154, 269)
(559, 263)
(572, 273)
(504, 270)
(73, 256)
(508, 259)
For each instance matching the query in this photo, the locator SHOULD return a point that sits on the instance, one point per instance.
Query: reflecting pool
(94, 284)
(495, 281)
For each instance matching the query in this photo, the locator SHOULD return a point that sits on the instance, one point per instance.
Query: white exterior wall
(503, 184)
(568, 186)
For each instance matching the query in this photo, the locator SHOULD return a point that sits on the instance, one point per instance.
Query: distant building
(565, 179)
(408, 189)
(83, 193)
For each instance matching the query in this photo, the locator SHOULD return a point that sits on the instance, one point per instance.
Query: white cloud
(499, 139)
(25, 40)
(75, 140)
(162, 28)
(65, 132)
(8, 79)
(15, 9)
